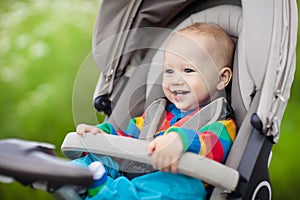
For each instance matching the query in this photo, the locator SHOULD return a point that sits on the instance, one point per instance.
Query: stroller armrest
(189, 164)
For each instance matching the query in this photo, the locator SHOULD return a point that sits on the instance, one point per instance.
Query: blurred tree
(42, 45)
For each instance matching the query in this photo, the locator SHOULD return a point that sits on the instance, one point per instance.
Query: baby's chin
(186, 108)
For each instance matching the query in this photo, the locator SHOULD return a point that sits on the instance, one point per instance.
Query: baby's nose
(178, 79)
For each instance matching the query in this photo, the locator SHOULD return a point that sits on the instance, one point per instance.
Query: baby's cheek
(166, 82)
(166, 91)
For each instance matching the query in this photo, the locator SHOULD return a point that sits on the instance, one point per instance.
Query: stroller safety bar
(35, 164)
(190, 164)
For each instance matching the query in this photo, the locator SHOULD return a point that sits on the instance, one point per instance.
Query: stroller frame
(258, 119)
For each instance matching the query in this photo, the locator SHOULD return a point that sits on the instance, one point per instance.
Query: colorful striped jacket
(213, 141)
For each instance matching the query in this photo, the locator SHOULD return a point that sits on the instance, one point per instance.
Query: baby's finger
(151, 147)
(85, 127)
(154, 160)
(80, 129)
(166, 164)
(166, 168)
(173, 167)
(96, 130)
(163, 163)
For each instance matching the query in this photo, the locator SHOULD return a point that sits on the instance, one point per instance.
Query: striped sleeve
(217, 139)
(133, 129)
(212, 141)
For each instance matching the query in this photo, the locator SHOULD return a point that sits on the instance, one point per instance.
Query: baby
(196, 70)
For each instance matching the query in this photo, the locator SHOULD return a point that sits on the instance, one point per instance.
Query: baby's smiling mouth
(179, 92)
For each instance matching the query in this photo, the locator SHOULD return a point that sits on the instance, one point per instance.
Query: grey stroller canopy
(265, 51)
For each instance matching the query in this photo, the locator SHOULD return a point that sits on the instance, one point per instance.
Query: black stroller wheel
(262, 191)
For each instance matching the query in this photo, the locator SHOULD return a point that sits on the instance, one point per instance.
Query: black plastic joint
(256, 122)
(103, 104)
(241, 188)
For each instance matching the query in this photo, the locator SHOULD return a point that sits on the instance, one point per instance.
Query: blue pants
(157, 185)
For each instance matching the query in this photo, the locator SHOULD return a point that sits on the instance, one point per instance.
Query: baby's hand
(82, 129)
(166, 151)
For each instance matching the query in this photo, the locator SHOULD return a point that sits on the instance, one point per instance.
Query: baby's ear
(225, 75)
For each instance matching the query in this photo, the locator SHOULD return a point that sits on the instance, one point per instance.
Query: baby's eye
(189, 70)
(169, 71)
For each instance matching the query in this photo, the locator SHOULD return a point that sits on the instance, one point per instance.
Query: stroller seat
(258, 59)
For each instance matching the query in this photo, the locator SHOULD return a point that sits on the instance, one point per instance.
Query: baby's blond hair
(220, 46)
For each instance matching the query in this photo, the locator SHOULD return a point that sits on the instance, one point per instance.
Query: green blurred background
(42, 46)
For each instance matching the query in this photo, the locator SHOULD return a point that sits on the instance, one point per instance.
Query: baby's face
(189, 75)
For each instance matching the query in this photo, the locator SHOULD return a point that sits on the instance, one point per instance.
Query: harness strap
(153, 116)
(214, 111)
(217, 110)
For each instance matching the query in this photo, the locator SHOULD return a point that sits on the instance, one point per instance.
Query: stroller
(264, 64)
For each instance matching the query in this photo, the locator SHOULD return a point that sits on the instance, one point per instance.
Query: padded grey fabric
(116, 14)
